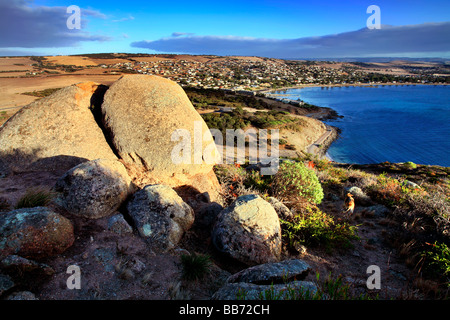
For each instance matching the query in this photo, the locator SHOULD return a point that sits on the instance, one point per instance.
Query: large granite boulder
(56, 132)
(34, 233)
(160, 216)
(248, 231)
(94, 189)
(147, 117)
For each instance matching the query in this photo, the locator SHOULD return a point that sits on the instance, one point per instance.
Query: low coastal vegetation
(417, 223)
(228, 111)
(300, 190)
(41, 93)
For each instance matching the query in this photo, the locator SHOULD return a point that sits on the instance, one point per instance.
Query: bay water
(395, 123)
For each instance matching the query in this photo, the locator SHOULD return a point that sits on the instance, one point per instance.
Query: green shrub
(437, 260)
(410, 165)
(294, 182)
(195, 266)
(254, 179)
(35, 198)
(315, 227)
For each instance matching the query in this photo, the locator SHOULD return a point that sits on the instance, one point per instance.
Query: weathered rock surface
(250, 291)
(22, 295)
(160, 216)
(19, 266)
(94, 189)
(119, 225)
(6, 283)
(55, 133)
(143, 112)
(248, 231)
(275, 272)
(282, 211)
(34, 233)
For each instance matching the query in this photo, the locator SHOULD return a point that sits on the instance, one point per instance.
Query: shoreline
(314, 85)
(321, 146)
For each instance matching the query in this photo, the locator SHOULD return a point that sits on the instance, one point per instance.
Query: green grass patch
(195, 266)
(437, 261)
(35, 198)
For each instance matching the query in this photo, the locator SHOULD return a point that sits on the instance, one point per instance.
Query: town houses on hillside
(263, 73)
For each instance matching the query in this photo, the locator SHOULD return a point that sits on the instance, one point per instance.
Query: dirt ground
(122, 267)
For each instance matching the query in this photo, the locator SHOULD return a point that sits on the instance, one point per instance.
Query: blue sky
(269, 28)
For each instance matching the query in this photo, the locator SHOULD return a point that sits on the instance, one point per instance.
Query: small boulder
(160, 216)
(411, 185)
(34, 233)
(275, 272)
(249, 291)
(22, 295)
(281, 209)
(248, 231)
(94, 189)
(119, 225)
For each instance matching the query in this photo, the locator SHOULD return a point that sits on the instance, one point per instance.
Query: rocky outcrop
(147, 121)
(94, 189)
(56, 132)
(143, 113)
(248, 231)
(160, 216)
(34, 233)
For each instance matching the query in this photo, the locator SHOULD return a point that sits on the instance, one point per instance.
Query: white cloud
(25, 26)
(424, 38)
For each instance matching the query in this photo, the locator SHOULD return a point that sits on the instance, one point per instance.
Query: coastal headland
(152, 230)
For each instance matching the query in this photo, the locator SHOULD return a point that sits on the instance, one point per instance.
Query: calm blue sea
(386, 123)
